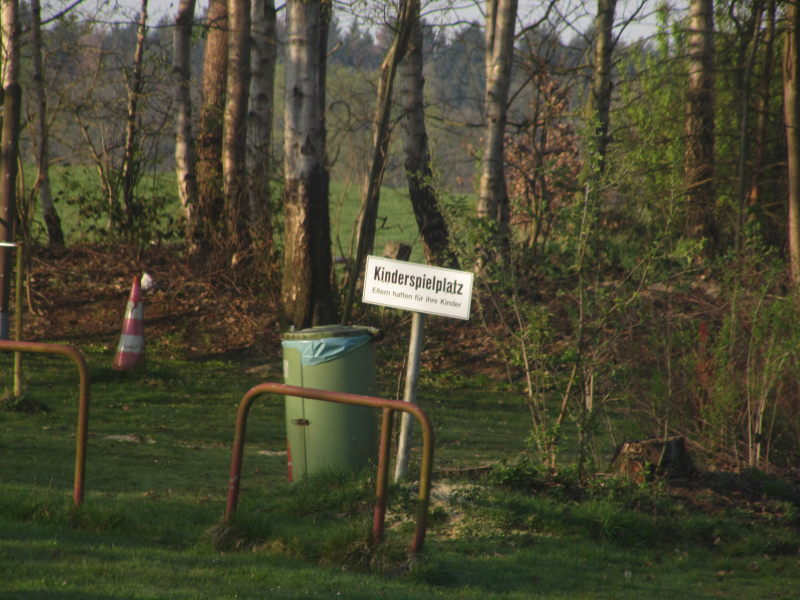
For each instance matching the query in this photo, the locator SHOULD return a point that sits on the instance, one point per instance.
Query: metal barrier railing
(388, 407)
(83, 402)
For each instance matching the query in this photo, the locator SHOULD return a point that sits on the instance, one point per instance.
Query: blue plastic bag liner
(314, 352)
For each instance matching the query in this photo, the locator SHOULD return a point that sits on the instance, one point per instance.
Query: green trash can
(328, 435)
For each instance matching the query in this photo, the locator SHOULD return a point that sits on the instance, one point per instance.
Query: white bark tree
(493, 205)
(306, 294)
(185, 160)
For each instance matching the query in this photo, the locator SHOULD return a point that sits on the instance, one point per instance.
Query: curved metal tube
(387, 406)
(83, 402)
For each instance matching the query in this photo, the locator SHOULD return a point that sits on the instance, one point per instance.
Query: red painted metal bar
(381, 484)
(83, 403)
(388, 407)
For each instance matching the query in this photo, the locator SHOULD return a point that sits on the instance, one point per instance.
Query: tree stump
(644, 460)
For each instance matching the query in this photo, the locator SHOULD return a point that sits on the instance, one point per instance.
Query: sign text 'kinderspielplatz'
(419, 288)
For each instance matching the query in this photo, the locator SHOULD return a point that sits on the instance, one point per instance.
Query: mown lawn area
(158, 461)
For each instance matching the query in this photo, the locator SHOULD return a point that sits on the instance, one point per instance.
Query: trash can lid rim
(331, 331)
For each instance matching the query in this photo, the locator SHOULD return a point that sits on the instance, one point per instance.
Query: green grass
(158, 460)
(74, 187)
(80, 204)
(395, 222)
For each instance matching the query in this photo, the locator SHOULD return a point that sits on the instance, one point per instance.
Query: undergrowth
(518, 500)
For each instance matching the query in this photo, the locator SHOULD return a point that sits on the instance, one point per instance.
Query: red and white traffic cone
(130, 351)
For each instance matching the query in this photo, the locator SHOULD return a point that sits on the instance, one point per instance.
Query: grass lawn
(157, 472)
(77, 189)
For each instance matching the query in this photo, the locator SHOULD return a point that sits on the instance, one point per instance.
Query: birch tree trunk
(493, 204)
(791, 104)
(130, 161)
(9, 150)
(185, 162)
(263, 54)
(699, 128)
(55, 235)
(234, 143)
(206, 225)
(306, 294)
(430, 221)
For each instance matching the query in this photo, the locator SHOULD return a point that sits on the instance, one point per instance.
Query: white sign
(421, 288)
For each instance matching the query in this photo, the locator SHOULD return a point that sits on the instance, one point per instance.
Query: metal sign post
(424, 290)
(409, 393)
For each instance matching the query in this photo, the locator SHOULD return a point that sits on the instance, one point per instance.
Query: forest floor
(77, 295)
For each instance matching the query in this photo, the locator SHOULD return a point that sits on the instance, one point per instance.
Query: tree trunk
(600, 90)
(55, 235)
(185, 163)
(234, 144)
(380, 145)
(699, 128)
(9, 151)
(758, 209)
(747, 64)
(430, 221)
(493, 204)
(306, 293)
(763, 109)
(791, 107)
(130, 161)
(205, 228)
(259, 120)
